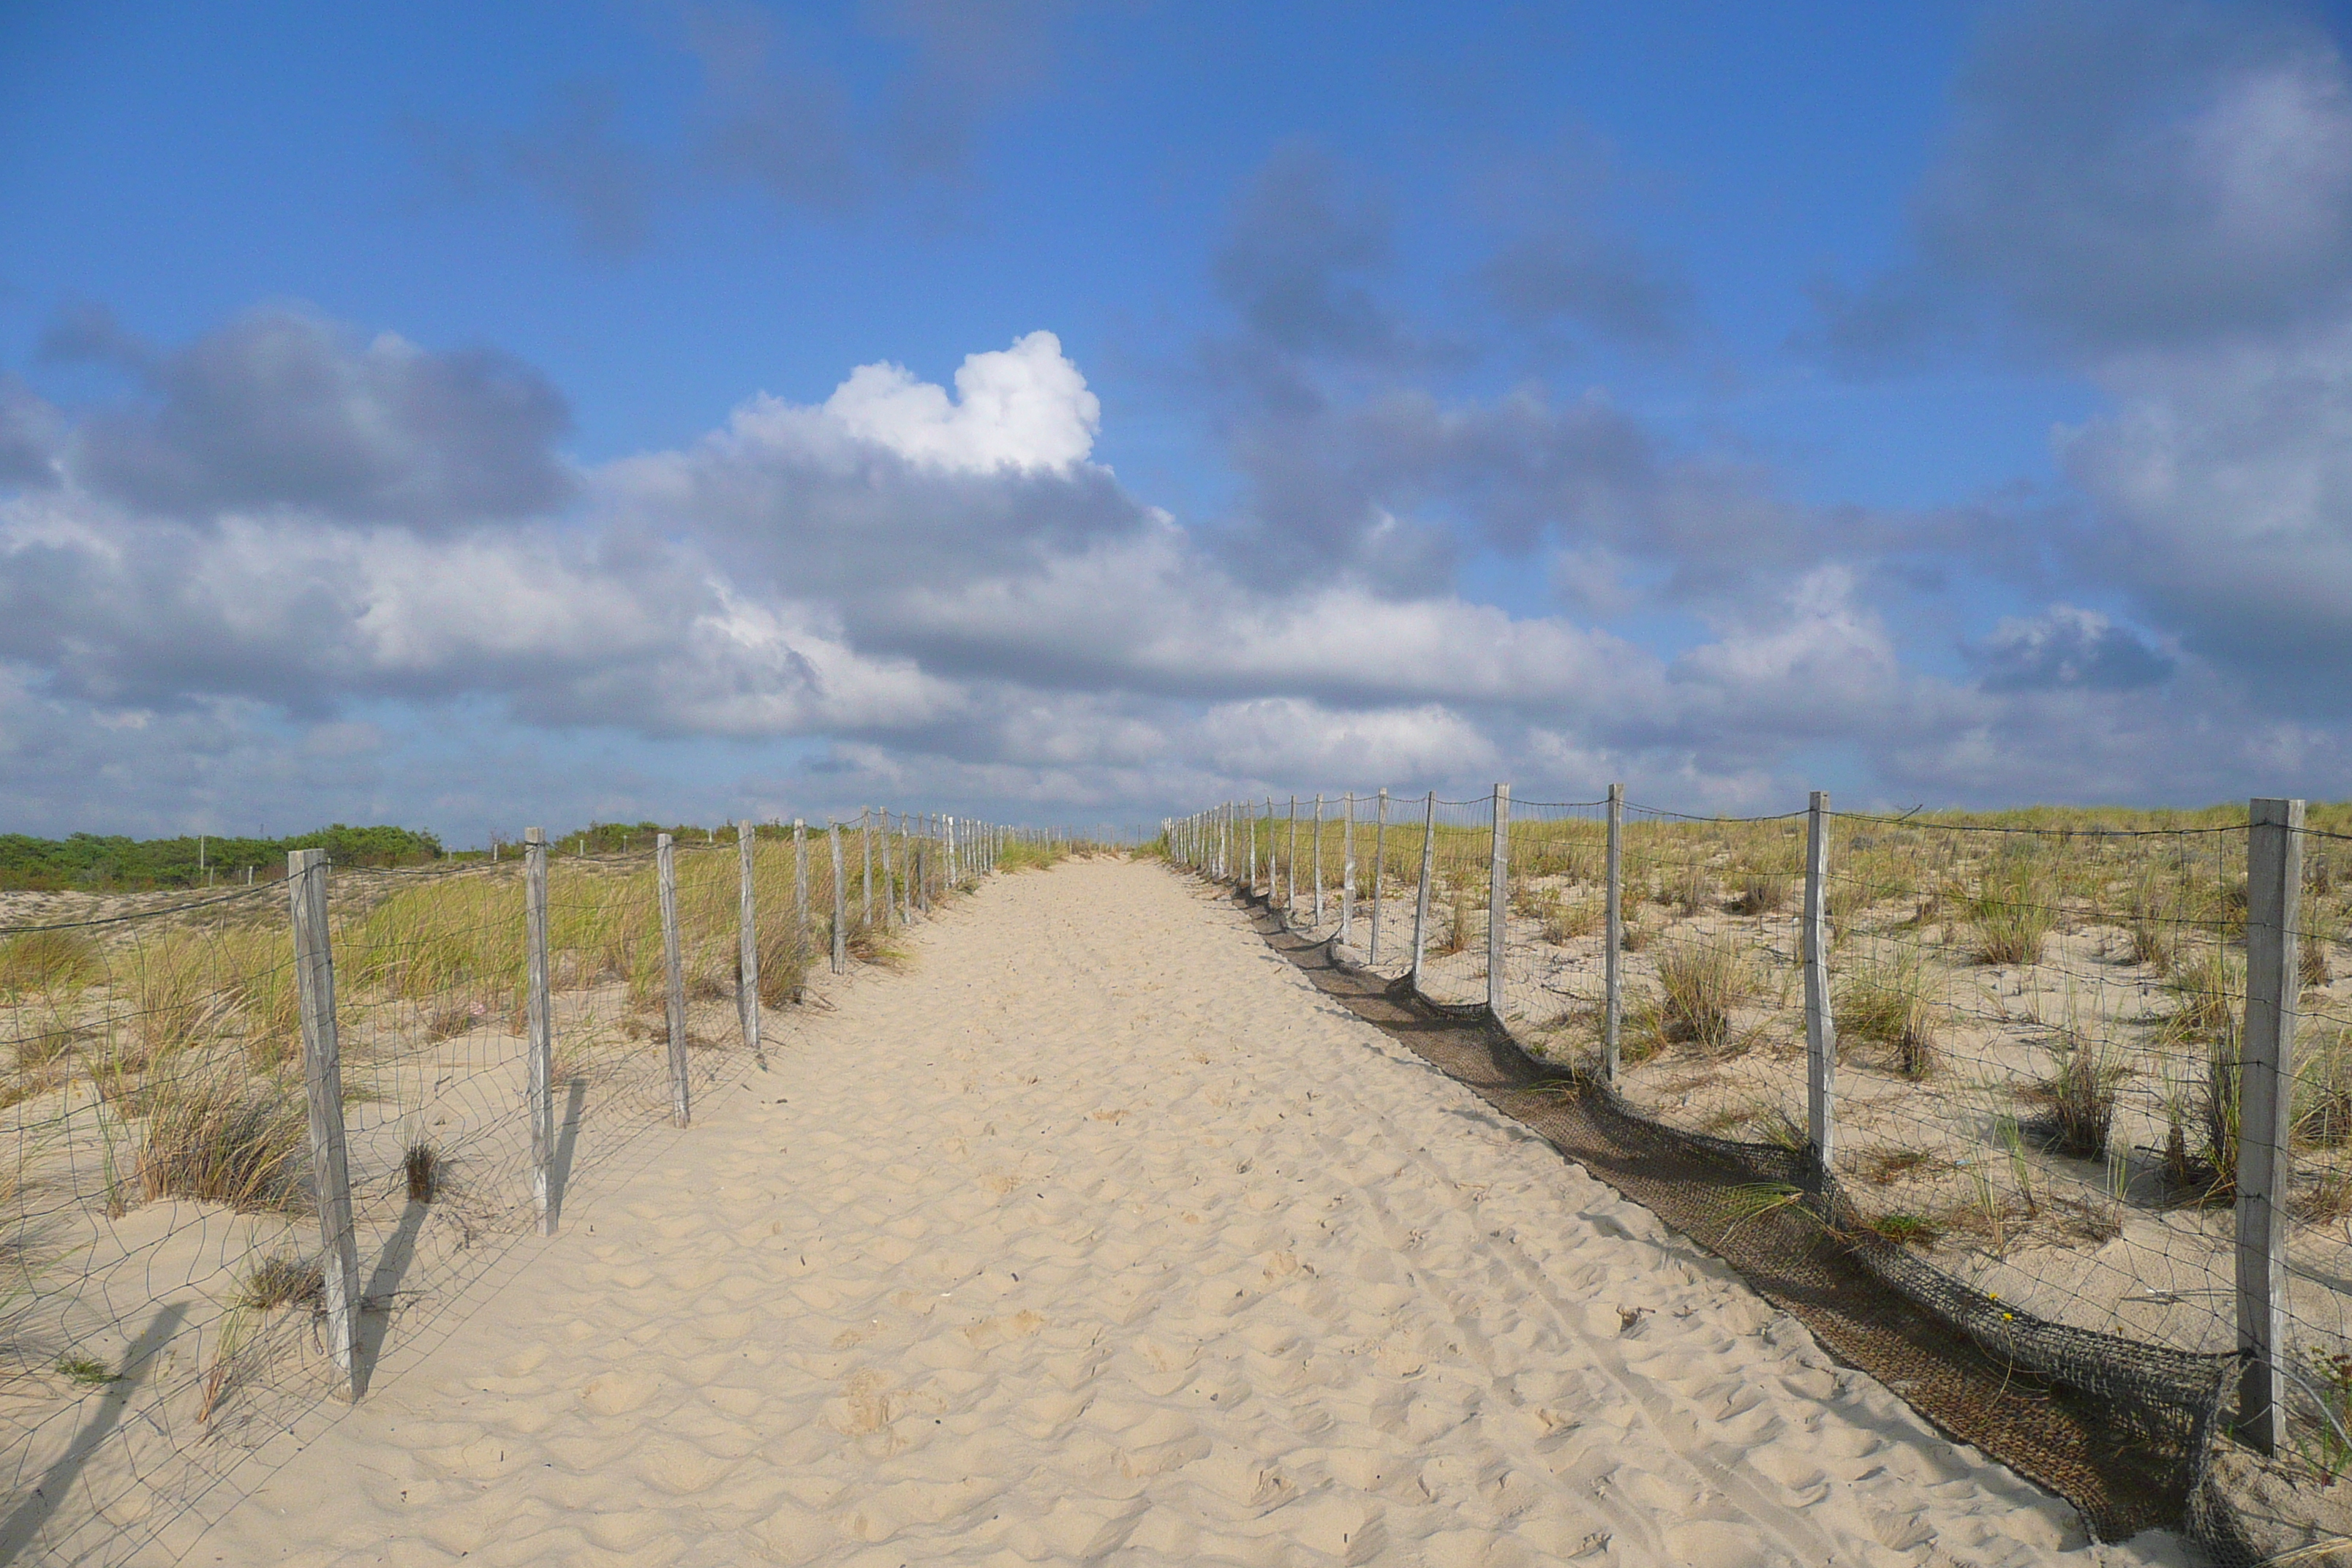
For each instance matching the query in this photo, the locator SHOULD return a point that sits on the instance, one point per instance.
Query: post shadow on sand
(383, 1285)
(42, 1501)
(566, 1137)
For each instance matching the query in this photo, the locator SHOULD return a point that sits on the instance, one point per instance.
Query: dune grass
(1884, 1002)
(215, 1134)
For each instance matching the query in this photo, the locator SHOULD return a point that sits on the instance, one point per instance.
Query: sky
(472, 417)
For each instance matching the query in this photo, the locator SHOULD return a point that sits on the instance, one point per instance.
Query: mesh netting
(162, 1292)
(2036, 1029)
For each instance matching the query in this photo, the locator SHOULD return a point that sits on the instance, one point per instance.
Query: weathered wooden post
(893, 899)
(747, 931)
(1315, 866)
(539, 1025)
(865, 849)
(1612, 1007)
(1290, 869)
(681, 1094)
(840, 903)
(2266, 1111)
(1821, 1029)
(1498, 895)
(322, 1094)
(1379, 870)
(1347, 872)
(1421, 894)
(800, 881)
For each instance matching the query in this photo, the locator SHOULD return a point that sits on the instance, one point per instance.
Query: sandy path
(1100, 1235)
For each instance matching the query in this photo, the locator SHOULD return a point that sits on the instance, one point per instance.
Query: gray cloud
(281, 409)
(1604, 283)
(574, 159)
(30, 434)
(1293, 261)
(2065, 646)
(774, 120)
(2119, 176)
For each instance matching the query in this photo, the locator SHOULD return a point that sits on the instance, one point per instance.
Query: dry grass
(1702, 982)
(214, 1136)
(1456, 935)
(281, 1281)
(1885, 1004)
(426, 1171)
(2013, 913)
(1762, 893)
(2323, 1088)
(1884, 1167)
(49, 960)
(2082, 1095)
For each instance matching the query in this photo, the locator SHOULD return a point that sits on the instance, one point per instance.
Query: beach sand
(1098, 1234)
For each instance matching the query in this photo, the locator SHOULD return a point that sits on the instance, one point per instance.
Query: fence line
(258, 1139)
(2080, 1088)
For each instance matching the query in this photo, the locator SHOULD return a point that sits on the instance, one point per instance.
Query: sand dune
(1100, 1235)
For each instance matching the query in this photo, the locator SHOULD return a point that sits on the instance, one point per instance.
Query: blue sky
(455, 415)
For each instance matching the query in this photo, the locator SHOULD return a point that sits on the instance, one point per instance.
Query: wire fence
(247, 1158)
(2080, 1086)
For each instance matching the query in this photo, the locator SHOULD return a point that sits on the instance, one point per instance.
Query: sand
(1097, 1235)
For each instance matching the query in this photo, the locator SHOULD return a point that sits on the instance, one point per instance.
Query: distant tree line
(110, 863)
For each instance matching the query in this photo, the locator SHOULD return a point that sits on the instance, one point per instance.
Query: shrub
(1886, 1002)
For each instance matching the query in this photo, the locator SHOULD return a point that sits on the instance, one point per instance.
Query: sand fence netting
(163, 1291)
(2031, 1076)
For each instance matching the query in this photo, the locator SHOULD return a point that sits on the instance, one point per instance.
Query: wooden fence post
(1348, 873)
(322, 1093)
(1315, 866)
(747, 931)
(800, 883)
(893, 906)
(1498, 895)
(1290, 869)
(840, 903)
(1421, 895)
(1380, 871)
(1612, 1007)
(2266, 1111)
(1821, 1029)
(865, 849)
(681, 1094)
(539, 1023)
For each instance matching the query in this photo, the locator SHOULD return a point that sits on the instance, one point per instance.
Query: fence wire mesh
(2032, 1089)
(161, 1279)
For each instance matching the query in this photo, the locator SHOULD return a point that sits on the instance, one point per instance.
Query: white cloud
(1021, 407)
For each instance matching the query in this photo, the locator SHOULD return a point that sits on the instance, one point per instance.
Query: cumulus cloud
(938, 588)
(1023, 407)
